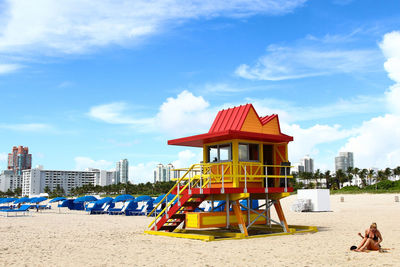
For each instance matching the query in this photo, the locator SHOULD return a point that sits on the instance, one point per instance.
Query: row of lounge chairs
(21, 205)
(131, 207)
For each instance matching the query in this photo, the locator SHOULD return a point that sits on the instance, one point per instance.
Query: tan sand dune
(77, 239)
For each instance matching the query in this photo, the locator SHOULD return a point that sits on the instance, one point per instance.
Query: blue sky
(84, 84)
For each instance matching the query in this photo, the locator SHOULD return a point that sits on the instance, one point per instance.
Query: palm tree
(18, 191)
(388, 173)
(317, 177)
(356, 173)
(340, 177)
(396, 172)
(381, 176)
(328, 179)
(349, 173)
(305, 177)
(47, 189)
(371, 175)
(363, 174)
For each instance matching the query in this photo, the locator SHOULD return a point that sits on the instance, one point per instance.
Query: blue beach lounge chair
(100, 206)
(116, 211)
(139, 208)
(23, 209)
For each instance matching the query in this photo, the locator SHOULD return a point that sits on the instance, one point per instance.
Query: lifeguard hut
(245, 158)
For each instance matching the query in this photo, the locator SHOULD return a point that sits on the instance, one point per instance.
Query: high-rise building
(169, 172)
(19, 159)
(344, 161)
(164, 173)
(122, 171)
(306, 164)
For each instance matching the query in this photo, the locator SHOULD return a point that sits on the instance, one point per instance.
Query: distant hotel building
(344, 161)
(19, 159)
(35, 180)
(10, 180)
(306, 165)
(164, 173)
(122, 171)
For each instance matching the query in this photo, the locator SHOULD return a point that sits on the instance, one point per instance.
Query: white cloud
(390, 48)
(308, 58)
(187, 157)
(82, 163)
(185, 114)
(227, 89)
(27, 127)
(29, 29)
(72, 26)
(7, 68)
(114, 113)
(3, 157)
(142, 172)
(289, 112)
(377, 143)
(306, 140)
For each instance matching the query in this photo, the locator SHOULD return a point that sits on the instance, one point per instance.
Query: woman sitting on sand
(371, 240)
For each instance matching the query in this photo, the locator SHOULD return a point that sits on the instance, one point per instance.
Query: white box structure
(319, 198)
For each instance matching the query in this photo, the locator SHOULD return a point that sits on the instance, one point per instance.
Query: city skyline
(81, 96)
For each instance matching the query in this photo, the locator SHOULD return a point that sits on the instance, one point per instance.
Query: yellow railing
(204, 174)
(250, 171)
(179, 190)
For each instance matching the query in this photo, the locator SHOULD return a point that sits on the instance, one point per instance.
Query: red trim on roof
(266, 119)
(199, 140)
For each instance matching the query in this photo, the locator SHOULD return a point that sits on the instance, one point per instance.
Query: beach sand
(77, 239)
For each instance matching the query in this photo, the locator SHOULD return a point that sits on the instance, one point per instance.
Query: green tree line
(12, 193)
(336, 180)
(128, 188)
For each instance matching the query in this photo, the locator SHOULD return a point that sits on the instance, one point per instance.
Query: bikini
(375, 238)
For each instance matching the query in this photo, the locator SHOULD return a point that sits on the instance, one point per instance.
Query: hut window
(219, 153)
(224, 152)
(249, 152)
(213, 153)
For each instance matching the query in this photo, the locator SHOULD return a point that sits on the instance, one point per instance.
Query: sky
(87, 83)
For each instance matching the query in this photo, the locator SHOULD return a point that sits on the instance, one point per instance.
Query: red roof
(230, 119)
(266, 119)
(227, 125)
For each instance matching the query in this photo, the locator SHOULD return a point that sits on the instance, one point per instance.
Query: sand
(77, 239)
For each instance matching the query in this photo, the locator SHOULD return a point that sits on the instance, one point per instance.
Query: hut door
(268, 153)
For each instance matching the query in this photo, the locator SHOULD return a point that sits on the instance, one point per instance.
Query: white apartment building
(122, 171)
(35, 180)
(10, 180)
(105, 178)
(164, 173)
(306, 164)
